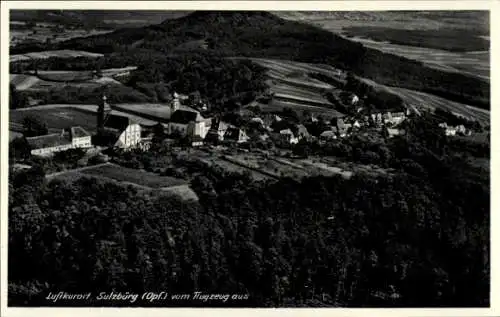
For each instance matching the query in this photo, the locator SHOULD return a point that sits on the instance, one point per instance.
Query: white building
(287, 136)
(186, 121)
(72, 138)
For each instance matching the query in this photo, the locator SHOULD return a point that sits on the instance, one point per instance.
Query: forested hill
(262, 34)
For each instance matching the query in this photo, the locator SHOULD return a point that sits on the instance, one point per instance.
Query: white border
(491, 5)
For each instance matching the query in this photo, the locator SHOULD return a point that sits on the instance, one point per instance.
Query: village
(263, 145)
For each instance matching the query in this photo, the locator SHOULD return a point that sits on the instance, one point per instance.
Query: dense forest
(415, 237)
(262, 34)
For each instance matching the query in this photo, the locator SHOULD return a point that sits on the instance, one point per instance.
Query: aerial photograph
(248, 159)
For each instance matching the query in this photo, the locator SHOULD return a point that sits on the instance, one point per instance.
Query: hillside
(262, 34)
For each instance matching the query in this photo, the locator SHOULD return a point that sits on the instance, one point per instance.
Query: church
(119, 131)
(186, 121)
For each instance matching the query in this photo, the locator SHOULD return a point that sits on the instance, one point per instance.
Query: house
(288, 137)
(342, 127)
(217, 131)
(448, 130)
(234, 134)
(302, 132)
(398, 117)
(391, 132)
(328, 135)
(354, 100)
(124, 132)
(71, 138)
(257, 120)
(387, 117)
(377, 118)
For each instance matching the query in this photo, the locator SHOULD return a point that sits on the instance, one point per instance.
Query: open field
(110, 19)
(279, 105)
(475, 22)
(20, 33)
(49, 80)
(129, 175)
(137, 178)
(60, 116)
(56, 118)
(48, 54)
(470, 63)
(34, 83)
(293, 87)
(443, 39)
(213, 159)
(335, 21)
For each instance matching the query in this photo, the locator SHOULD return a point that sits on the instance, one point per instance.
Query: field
(468, 22)
(48, 54)
(137, 178)
(443, 39)
(61, 116)
(110, 19)
(34, 83)
(470, 63)
(20, 33)
(129, 175)
(293, 87)
(55, 118)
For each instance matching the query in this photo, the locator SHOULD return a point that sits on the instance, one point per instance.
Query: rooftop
(185, 116)
(79, 132)
(48, 141)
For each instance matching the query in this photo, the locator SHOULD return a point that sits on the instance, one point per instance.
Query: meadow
(135, 176)
(435, 32)
(55, 53)
(56, 118)
(443, 39)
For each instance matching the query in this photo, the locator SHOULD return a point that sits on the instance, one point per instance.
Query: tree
(33, 126)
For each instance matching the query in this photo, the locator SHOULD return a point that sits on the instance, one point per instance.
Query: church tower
(175, 104)
(103, 112)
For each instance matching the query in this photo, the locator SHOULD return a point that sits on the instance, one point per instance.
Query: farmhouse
(234, 134)
(302, 132)
(328, 135)
(287, 136)
(451, 131)
(217, 131)
(391, 132)
(72, 138)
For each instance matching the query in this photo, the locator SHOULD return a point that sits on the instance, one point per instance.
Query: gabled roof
(184, 116)
(79, 132)
(328, 134)
(48, 141)
(302, 130)
(117, 122)
(233, 133)
(287, 132)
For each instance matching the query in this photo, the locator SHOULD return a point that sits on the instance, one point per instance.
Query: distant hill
(263, 34)
(109, 19)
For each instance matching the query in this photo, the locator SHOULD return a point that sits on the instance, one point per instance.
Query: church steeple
(175, 104)
(103, 111)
